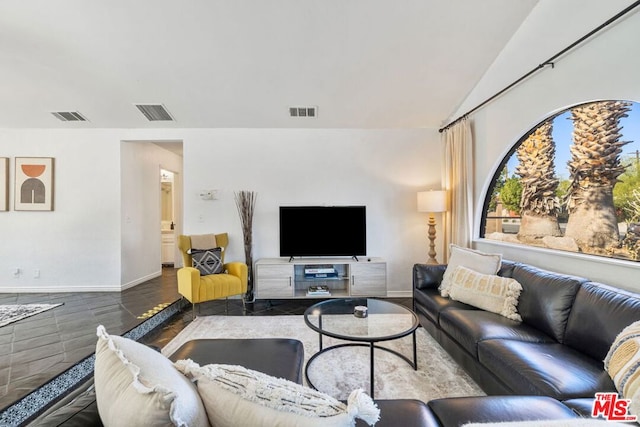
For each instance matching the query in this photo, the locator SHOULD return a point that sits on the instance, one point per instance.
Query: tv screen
(323, 231)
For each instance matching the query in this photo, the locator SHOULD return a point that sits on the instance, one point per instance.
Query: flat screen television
(316, 231)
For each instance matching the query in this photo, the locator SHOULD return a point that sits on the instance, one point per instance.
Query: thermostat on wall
(209, 194)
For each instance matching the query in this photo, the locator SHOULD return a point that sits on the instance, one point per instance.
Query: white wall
(603, 68)
(382, 169)
(104, 232)
(77, 246)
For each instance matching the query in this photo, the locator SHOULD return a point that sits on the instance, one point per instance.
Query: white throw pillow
(475, 260)
(486, 291)
(623, 365)
(137, 386)
(236, 396)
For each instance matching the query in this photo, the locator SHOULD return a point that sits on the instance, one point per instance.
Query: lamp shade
(432, 201)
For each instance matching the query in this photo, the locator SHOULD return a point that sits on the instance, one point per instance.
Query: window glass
(572, 183)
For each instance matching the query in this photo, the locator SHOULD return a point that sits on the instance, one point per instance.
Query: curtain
(458, 181)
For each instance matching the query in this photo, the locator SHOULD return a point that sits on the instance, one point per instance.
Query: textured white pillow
(475, 260)
(623, 365)
(489, 292)
(137, 386)
(236, 396)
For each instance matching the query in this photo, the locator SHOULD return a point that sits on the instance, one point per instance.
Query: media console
(279, 278)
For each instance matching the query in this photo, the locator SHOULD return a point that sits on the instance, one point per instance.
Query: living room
(378, 163)
(381, 159)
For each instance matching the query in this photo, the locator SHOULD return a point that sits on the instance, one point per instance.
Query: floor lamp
(432, 202)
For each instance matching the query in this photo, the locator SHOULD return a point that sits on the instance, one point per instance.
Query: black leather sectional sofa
(553, 359)
(546, 367)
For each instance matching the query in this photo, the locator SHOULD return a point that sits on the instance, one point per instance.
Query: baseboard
(141, 280)
(399, 294)
(97, 288)
(57, 289)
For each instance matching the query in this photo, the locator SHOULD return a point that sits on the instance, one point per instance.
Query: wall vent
(69, 116)
(154, 112)
(311, 112)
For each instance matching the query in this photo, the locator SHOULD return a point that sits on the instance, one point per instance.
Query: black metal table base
(372, 346)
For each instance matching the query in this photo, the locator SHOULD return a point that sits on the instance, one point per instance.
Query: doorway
(167, 217)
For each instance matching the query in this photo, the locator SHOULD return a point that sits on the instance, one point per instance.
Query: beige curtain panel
(458, 181)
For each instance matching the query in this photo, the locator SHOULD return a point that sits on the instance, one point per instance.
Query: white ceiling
(242, 63)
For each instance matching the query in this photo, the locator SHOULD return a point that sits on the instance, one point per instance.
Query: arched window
(572, 183)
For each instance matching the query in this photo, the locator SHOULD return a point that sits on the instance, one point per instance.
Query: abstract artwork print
(34, 184)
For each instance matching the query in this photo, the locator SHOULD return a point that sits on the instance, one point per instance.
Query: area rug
(340, 371)
(13, 312)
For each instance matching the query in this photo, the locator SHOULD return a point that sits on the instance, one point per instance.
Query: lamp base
(432, 237)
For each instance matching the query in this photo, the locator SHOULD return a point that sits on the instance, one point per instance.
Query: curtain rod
(544, 64)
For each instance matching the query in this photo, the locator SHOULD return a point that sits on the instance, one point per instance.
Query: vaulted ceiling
(243, 63)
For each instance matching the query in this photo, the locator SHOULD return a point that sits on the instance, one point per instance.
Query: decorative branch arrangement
(245, 202)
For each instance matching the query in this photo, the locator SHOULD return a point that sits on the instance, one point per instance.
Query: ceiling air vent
(154, 112)
(69, 116)
(303, 112)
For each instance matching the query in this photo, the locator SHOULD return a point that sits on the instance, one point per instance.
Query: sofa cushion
(405, 413)
(460, 410)
(546, 369)
(137, 386)
(546, 298)
(486, 291)
(468, 327)
(598, 315)
(506, 268)
(475, 260)
(427, 276)
(235, 396)
(582, 406)
(431, 303)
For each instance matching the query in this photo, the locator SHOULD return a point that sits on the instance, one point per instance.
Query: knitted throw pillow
(233, 396)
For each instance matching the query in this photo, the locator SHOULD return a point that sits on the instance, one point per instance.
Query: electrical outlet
(36, 273)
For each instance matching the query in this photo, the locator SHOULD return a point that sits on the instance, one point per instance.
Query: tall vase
(245, 202)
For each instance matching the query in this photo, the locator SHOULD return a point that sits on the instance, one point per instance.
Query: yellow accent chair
(197, 288)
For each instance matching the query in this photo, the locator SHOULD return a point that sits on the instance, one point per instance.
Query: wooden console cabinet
(279, 278)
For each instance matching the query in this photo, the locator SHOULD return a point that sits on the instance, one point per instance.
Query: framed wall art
(4, 184)
(33, 184)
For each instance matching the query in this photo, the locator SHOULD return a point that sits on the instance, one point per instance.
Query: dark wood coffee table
(385, 321)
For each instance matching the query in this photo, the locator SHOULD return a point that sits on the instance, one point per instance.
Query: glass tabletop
(384, 321)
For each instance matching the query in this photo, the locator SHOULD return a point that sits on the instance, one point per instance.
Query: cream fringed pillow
(236, 396)
(491, 293)
(623, 365)
(137, 386)
(475, 260)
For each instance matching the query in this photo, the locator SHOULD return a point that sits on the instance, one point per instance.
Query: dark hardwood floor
(41, 347)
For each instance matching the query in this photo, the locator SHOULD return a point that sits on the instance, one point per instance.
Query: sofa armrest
(428, 276)
(189, 283)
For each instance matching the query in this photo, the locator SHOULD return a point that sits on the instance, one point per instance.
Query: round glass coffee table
(385, 321)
